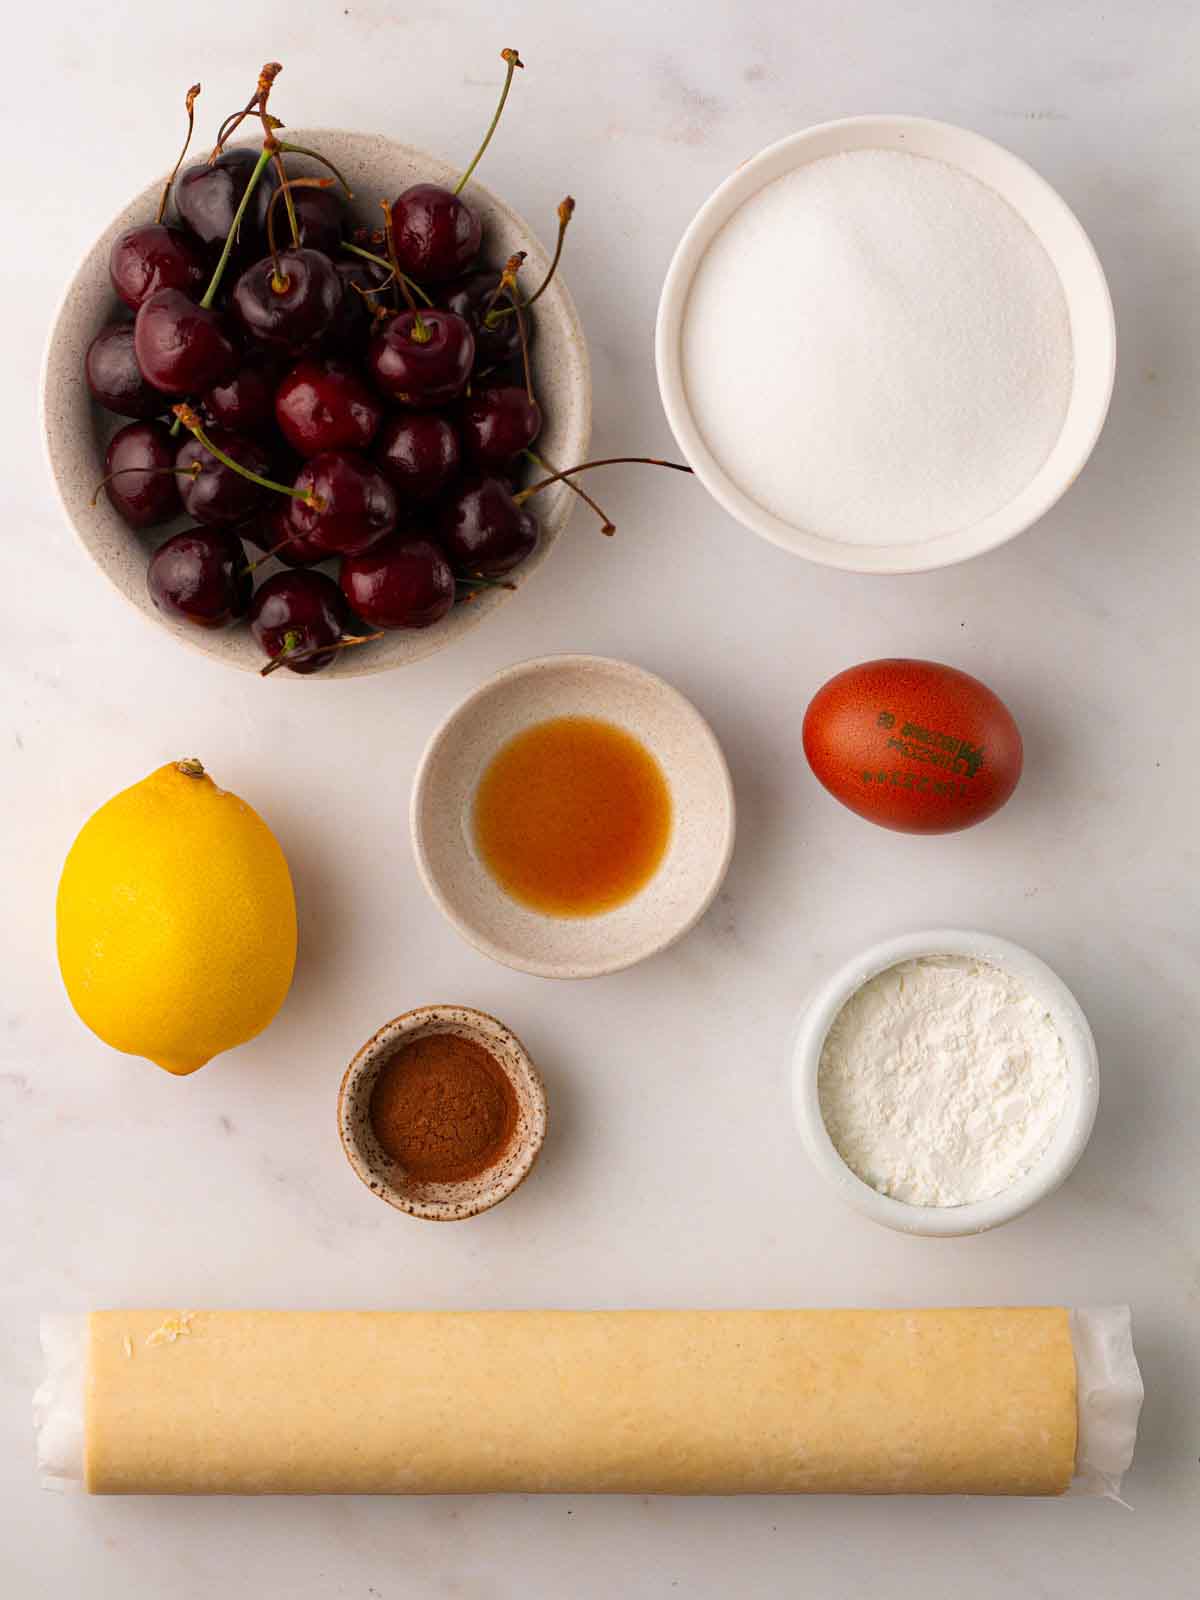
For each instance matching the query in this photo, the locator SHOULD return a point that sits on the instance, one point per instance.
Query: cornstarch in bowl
(877, 349)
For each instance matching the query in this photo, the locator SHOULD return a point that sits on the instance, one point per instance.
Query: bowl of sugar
(886, 344)
(944, 1082)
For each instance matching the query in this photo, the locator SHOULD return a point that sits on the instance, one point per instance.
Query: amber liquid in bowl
(572, 816)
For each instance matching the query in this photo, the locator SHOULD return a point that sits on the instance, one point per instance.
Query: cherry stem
(607, 526)
(190, 103)
(420, 329)
(185, 472)
(512, 60)
(380, 261)
(511, 267)
(566, 210)
(508, 280)
(214, 283)
(279, 280)
(586, 466)
(314, 155)
(291, 650)
(475, 582)
(192, 423)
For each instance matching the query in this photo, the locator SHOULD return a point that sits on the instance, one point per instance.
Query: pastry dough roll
(673, 1402)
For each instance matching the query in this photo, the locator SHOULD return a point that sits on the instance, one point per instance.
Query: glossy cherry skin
(115, 378)
(348, 333)
(483, 530)
(323, 405)
(321, 217)
(295, 316)
(474, 298)
(152, 257)
(297, 612)
(145, 490)
(399, 583)
(245, 401)
(201, 576)
(180, 347)
(437, 234)
(215, 493)
(207, 198)
(497, 424)
(421, 372)
(419, 453)
(356, 505)
(274, 535)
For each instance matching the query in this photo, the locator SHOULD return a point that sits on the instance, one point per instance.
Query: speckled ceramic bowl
(77, 431)
(441, 1202)
(702, 826)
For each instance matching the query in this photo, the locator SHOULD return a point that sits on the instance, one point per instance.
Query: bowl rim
(1066, 1147)
(915, 556)
(383, 1043)
(666, 934)
(362, 664)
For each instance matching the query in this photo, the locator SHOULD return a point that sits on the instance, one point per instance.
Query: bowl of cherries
(307, 403)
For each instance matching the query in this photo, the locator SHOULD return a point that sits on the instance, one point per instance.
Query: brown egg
(913, 745)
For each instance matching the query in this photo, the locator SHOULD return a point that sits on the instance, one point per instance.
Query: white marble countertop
(673, 1175)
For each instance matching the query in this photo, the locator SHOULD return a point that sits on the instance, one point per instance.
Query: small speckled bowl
(702, 825)
(441, 1202)
(76, 431)
(1067, 1144)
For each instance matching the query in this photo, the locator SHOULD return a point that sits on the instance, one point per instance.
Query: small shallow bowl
(1093, 333)
(76, 431)
(441, 1202)
(702, 825)
(1065, 1148)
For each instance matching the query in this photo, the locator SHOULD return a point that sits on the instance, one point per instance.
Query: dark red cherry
(321, 217)
(152, 257)
(497, 424)
(323, 405)
(497, 336)
(399, 583)
(483, 529)
(347, 335)
(271, 532)
(419, 453)
(139, 460)
(355, 504)
(437, 233)
(245, 401)
(422, 359)
(182, 348)
(289, 304)
(213, 492)
(294, 613)
(115, 378)
(207, 197)
(201, 576)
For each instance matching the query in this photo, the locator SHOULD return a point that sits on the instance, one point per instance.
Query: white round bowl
(702, 822)
(76, 431)
(1070, 1138)
(1093, 333)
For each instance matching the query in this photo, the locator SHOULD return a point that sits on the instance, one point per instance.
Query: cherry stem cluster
(380, 261)
(192, 423)
(566, 210)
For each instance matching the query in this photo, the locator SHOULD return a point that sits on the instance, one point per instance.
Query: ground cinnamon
(443, 1108)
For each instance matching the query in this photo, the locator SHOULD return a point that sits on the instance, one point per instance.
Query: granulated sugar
(942, 1081)
(877, 349)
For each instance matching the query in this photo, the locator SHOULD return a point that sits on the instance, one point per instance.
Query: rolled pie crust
(964, 1401)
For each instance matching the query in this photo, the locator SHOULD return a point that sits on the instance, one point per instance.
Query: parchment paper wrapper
(673, 1402)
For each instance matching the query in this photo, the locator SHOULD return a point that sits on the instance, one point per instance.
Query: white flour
(877, 349)
(942, 1081)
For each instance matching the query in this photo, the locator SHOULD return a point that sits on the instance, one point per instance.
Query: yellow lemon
(176, 920)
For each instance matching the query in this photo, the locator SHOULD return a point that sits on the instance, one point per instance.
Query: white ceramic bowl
(1070, 1138)
(702, 826)
(76, 431)
(441, 1202)
(1093, 332)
